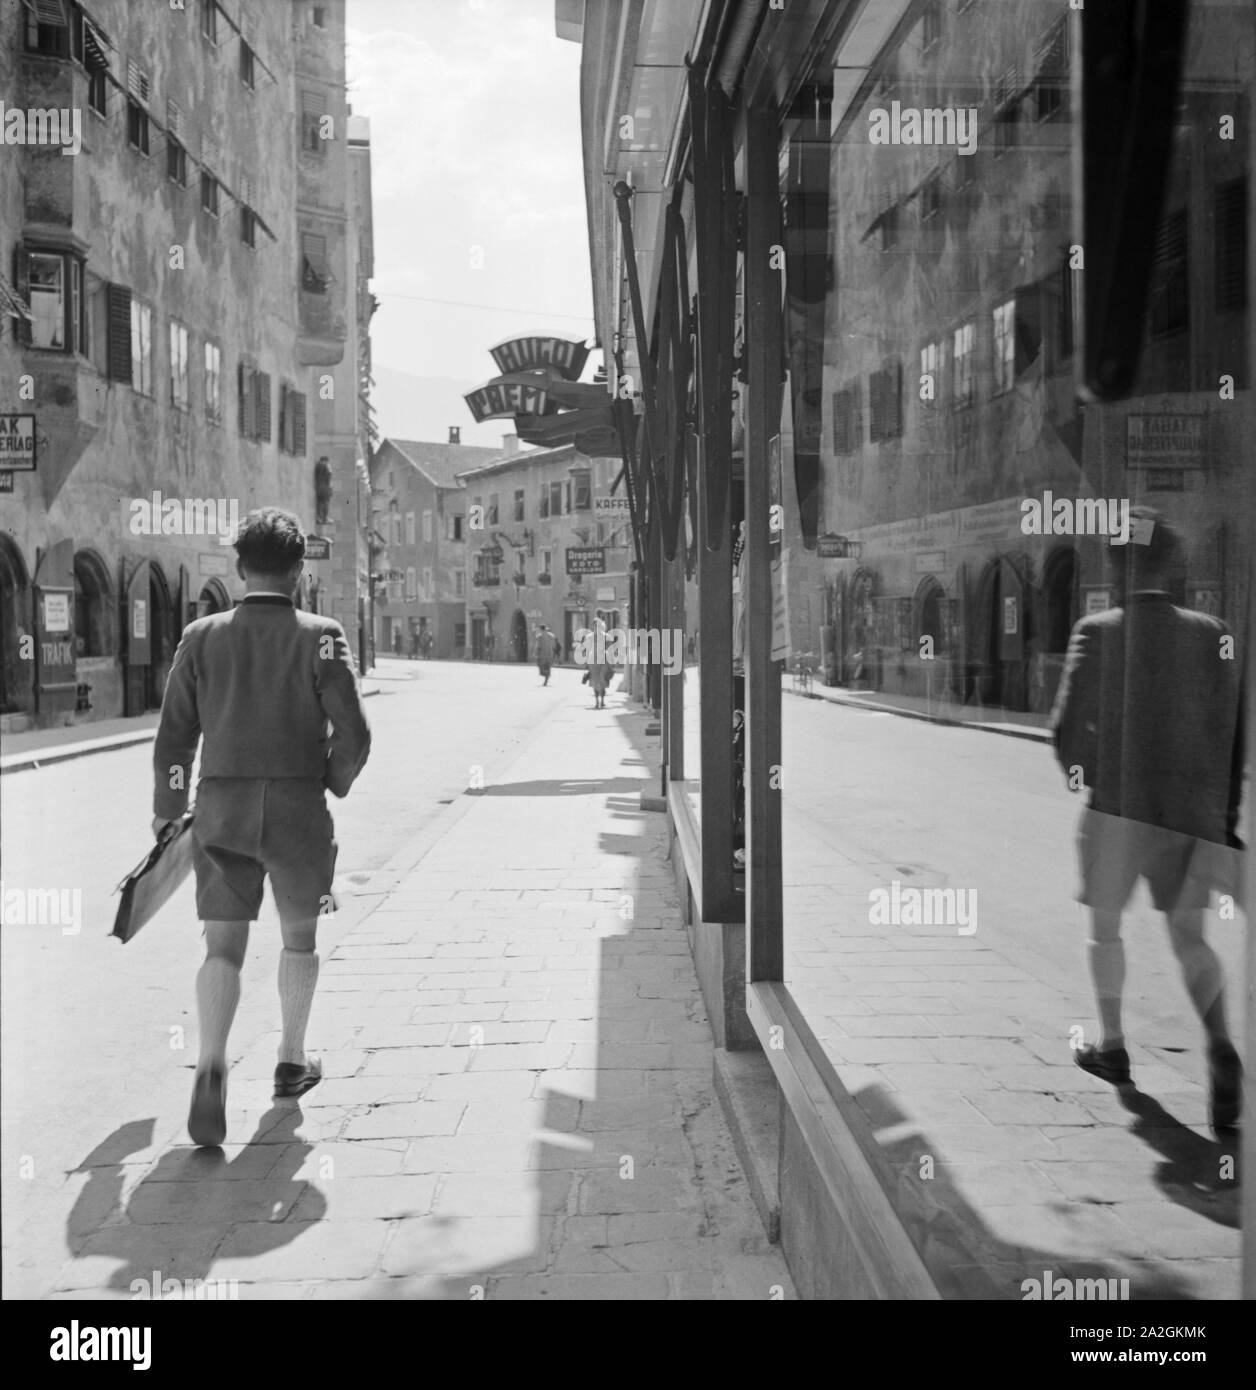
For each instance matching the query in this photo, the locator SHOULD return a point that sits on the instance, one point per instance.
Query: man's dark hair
(270, 541)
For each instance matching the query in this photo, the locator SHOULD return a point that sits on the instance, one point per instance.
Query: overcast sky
(475, 134)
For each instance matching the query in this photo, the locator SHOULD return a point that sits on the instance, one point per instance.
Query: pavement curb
(43, 757)
(1008, 730)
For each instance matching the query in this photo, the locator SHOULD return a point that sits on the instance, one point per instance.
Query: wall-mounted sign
(831, 547)
(586, 559)
(139, 619)
(1010, 616)
(606, 595)
(17, 444)
(930, 561)
(318, 547)
(1164, 441)
(213, 564)
(1097, 600)
(568, 355)
(503, 398)
(6, 482)
(56, 611)
(611, 506)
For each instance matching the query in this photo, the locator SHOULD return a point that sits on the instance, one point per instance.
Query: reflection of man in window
(1148, 718)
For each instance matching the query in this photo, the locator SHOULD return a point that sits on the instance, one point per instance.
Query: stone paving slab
(518, 1098)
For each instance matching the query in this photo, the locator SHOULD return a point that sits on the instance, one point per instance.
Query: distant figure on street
(425, 643)
(275, 697)
(599, 678)
(1148, 717)
(396, 641)
(414, 645)
(546, 649)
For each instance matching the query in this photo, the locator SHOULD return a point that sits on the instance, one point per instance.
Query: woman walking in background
(599, 678)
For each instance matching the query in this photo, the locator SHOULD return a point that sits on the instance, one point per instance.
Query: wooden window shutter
(22, 284)
(297, 399)
(261, 384)
(248, 403)
(893, 387)
(1230, 225)
(119, 346)
(876, 422)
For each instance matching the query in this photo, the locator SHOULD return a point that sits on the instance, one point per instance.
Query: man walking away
(545, 647)
(273, 693)
(1149, 710)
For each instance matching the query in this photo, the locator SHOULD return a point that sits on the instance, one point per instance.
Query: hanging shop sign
(592, 431)
(567, 355)
(506, 396)
(586, 559)
(17, 444)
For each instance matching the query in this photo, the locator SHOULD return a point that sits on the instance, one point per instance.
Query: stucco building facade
(166, 330)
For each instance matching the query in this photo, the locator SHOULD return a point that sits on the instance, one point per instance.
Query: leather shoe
(1226, 1091)
(207, 1118)
(294, 1079)
(1112, 1065)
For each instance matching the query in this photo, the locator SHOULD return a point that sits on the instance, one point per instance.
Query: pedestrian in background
(546, 646)
(274, 695)
(1148, 714)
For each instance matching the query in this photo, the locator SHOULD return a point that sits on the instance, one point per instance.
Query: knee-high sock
(1107, 971)
(217, 994)
(298, 974)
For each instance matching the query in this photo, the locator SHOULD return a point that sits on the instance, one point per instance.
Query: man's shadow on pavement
(1192, 1175)
(192, 1189)
(565, 786)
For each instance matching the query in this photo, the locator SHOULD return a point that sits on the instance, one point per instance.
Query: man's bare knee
(227, 941)
(299, 935)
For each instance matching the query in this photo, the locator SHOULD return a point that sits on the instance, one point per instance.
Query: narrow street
(82, 824)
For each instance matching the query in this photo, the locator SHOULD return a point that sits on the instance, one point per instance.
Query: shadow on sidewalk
(570, 786)
(197, 1193)
(1191, 1175)
(965, 1258)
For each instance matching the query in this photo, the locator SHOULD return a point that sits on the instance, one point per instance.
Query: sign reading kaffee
(17, 443)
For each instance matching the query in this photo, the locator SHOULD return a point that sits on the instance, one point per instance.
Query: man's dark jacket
(1150, 708)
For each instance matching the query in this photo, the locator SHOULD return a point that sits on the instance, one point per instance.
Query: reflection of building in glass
(943, 397)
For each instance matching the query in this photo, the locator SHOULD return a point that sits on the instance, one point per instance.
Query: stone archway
(213, 598)
(161, 617)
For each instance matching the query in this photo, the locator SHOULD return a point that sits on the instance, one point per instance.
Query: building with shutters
(547, 542)
(418, 506)
(187, 353)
